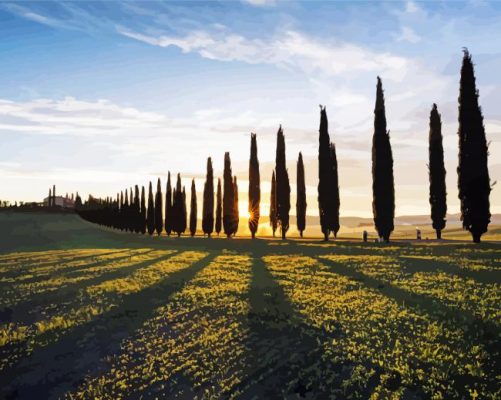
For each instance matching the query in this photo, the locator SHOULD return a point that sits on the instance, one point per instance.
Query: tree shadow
(66, 293)
(415, 264)
(285, 354)
(55, 369)
(475, 330)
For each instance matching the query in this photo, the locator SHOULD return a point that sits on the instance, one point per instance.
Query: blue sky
(97, 96)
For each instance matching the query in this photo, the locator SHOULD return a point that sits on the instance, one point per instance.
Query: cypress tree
(273, 204)
(283, 190)
(159, 222)
(254, 188)
(228, 198)
(122, 212)
(179, 208)
(49, 200)
(236, 211)
(137, 210)
(208, 203)
(328, 187)
(168, 206)
(301, 196)
(126, 211)
(193, 209)
(142, 216)
(219, 207)
(383, 190)
(473, 174)
(183, 212)
(437, 173)
(150, 212)
(335, 190)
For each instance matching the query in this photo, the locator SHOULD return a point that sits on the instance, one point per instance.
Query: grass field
(90, 313)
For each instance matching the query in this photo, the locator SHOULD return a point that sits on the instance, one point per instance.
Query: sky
(98, 96)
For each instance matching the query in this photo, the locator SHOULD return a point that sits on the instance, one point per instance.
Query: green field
(91, 313)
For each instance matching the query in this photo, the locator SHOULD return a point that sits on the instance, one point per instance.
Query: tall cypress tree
(437, 172)
(335, 191)
(179, 208)
(184, 214)
(193, 209)
(49, 199)
(208, 204)
(150, 212)
(254, 188)
(473, 174)
(142, 217)
(273, 204)
(159, 221)
(328, 187)
(122, 212)
(283, 192)
(236, 211)
(228, 198)
(168, 206)
(137, 210)
(301, 196)
(126, 211)
(383, 190)
(219, 207)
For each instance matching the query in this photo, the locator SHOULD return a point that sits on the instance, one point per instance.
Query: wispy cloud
(288, 49)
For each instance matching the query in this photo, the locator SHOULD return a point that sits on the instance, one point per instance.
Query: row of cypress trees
(130, 212)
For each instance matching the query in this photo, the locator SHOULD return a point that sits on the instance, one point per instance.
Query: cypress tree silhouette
(219, 207)
(473, 174)
(122, 211)
(283, 190)
(168, 206)
(273, 204)
(228, 198)
(383, 190)
(437, 173)
(328, 187)
(301, 196)
(49, 199)
(236, 212)
(137, 210)
(126, 213)
(179, 208)
(208, 203)
(335, 191)
(254, 188)
(184, 214)
(142, 219)
(53, 203)
(193, 209)
(150, 212)
(159, 222)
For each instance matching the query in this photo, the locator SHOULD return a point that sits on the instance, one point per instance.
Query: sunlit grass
(197, 336)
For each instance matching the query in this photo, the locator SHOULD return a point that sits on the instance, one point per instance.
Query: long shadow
(412, 264)
(283, 350)
(64, 294)
(57, 368)
(77, 268)
(15, 272)
(475, 330)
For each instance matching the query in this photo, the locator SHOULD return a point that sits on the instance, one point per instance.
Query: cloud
(288, 49)
(408, 35)
(260, 3)
(411, 7)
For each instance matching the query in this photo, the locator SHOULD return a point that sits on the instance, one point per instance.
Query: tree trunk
(439, 234)
(476, 237)
(253, 235)
(326, 236)
(301, 233)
